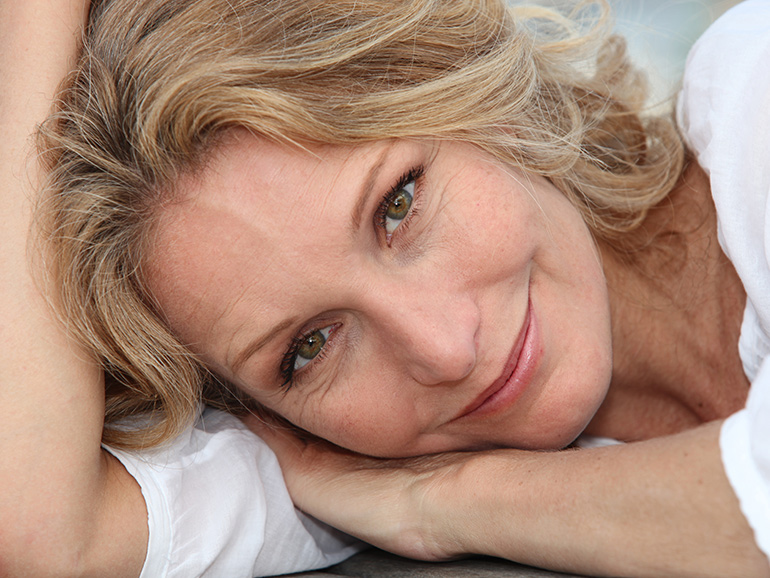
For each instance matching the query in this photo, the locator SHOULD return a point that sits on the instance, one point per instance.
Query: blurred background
(661, 32)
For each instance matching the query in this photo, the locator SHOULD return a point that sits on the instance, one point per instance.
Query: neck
(677, 310)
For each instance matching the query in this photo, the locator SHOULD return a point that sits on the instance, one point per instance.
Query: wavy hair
(547, 90)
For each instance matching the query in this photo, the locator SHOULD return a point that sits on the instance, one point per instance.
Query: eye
(398, 206)
(302, 351)
(310, 346)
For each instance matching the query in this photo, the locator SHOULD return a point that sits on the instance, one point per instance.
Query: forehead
(246, 174)
(242, 232)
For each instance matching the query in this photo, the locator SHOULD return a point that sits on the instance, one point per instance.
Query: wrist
(454, 504)
(487, 503)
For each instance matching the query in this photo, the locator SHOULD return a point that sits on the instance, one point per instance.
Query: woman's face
(396, 298)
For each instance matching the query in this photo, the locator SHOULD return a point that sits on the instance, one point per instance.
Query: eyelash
(289, 358)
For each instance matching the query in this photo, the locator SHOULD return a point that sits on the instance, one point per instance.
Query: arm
(67, 507)
(657, 508)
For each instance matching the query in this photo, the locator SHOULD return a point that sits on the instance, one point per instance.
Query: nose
(429, 328)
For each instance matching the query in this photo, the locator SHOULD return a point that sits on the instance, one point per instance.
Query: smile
(516, 374)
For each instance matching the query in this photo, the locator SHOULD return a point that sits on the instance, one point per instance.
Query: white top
(218, 507)
(724, 113)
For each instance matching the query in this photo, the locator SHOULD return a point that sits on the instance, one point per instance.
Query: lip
(516, 375)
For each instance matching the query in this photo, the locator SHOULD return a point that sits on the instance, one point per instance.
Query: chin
(563, 430)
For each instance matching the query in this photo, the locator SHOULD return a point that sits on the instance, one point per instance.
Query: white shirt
(724, 114)
(217, 506)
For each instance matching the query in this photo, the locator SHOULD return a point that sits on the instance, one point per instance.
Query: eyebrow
(368, 188)
(254, 346)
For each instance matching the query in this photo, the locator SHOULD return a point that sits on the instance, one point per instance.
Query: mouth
(516, 374)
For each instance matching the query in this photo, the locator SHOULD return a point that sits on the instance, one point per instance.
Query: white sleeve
(217, 506)
(724, 114)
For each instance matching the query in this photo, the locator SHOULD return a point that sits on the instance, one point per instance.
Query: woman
(379, 224)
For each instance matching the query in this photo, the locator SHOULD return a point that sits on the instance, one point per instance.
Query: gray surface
(379, 564)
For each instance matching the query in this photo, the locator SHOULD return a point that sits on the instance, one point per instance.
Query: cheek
(375, 431)
(574, 406)
(488, 233)
(363, 416)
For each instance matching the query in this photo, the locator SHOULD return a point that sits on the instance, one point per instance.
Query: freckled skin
(419, 326)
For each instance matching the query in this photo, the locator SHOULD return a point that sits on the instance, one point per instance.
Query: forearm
(59, 489)
(657, 508)
(661, 508)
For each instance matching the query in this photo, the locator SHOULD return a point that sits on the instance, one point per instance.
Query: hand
(394, 504)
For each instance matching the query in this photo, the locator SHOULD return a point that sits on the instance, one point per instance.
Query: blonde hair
(548, 91)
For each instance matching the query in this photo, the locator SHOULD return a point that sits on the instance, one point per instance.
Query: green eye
(398, 207)
(310, 347)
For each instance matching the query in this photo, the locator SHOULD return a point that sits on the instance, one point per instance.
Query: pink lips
(516, 373)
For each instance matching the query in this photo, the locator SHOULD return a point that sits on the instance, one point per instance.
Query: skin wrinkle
(368, 190)
(226, 311)
(259, 343)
